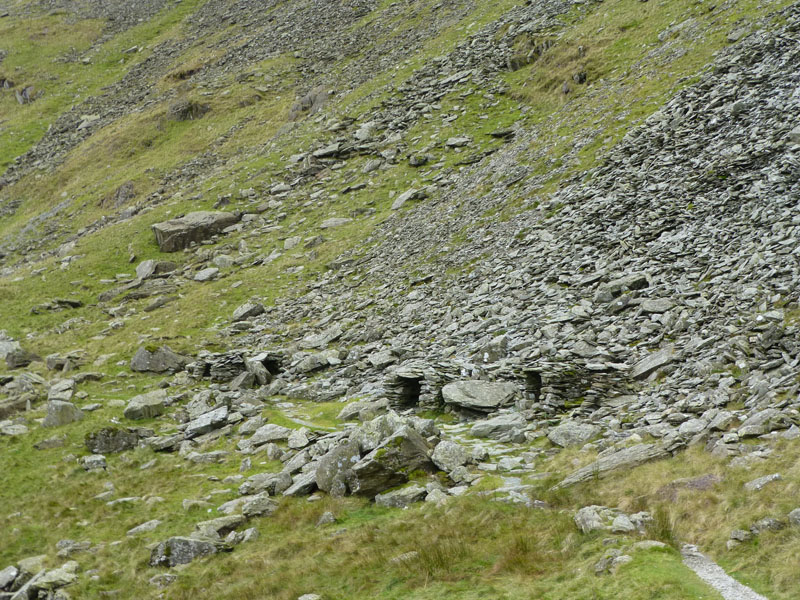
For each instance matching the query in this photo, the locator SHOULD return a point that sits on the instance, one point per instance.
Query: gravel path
(713, 575)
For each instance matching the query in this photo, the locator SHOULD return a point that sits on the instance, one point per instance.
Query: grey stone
(61, 413)
(206, 274)
(7, 577)
(759, 483)
(94, 462)
(209, 421)
(334, 222)
(144, 527)
(389, 465)
(763, 422)
(590, 518)
(449, 455)
(794, 517)
(259, 506)
(180, 233)
(180, 551)
(57, 578)
(110, 440)
(402, 497)
(572, 433)
(160, 360)
(62, 390)
(146, 406)
(248, 311)
(479, 395)
(622, 459)
(498, 426)
(335, 468)
(270, 433)
(652, 363)
(302, 484)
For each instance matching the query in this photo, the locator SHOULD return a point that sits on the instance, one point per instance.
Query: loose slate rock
(479, 395)
(146, 406)
(61, 413)
(177, 234)
(160, 360)
(180, 551)
(572, 433)
(110, 440)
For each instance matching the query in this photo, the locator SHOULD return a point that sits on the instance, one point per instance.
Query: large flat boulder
(483, 396)
(180, 551)
(572, 433)
(336, 467)
(61, 413)
(626, 458)
(391, 463)
(177, 234)
(158, 360)
(146, 406)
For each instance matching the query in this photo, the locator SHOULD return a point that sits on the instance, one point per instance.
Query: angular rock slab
(180, 551)
(623, 459)
(479, 395)
(391, 463)
(177, 234)
(61, 413)
(146, 406)
(161, 360)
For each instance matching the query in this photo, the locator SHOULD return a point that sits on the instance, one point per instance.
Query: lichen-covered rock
(146, 406)
(180, 551)
(180, 233)
(61, 413)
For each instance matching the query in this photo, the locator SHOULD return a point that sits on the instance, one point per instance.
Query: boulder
(7, 577)
(248, 311)
(335, 468)
(449, 455)
(484, 396)
(61, 413)
(158, 360)
(146, 406)
(94, 462)
(763, 422)
(110, 440)
(180, 233)
(302, 484)
(57, 578)
(180, 551)
(390, 463)
(151, 268)
(19, 358)
(498, 426)
(270, 433)
(209, 421)
(62, 390)
(402, 497)
(622, 459)
(572, 433)
(259, 506)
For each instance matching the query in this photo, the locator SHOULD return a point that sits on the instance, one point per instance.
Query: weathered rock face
(483, 396)
(146, 406)
(572, 434)
(499, 426)
(110, 440)
(158, 360)
(449, 455)
(622, 459)
(180, 551)
(335, 468)
(391, 463)
(61, 413)
(180, 233)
